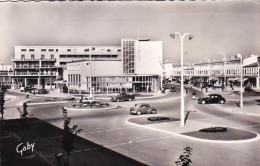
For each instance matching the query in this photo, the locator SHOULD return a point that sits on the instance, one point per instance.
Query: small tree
(68, 135)
(184, 159)
(2, 103)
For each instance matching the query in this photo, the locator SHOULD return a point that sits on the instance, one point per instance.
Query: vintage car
(123, 97)
(92, 103)
(142, 108)
(212, 98)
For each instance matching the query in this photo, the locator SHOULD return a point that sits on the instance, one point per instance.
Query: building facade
(137, 68)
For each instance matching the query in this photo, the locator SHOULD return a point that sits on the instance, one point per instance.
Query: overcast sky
(231, 27)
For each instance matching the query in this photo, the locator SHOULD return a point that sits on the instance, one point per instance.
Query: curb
(60, 102)
(74, 109)
(199, 139)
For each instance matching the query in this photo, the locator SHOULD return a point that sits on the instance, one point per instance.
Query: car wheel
(153, 111)
(117, 100)
(203, 102)
(139, 113)
(222, 101)
(130, 99)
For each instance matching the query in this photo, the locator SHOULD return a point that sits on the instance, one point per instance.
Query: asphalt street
(110, 129)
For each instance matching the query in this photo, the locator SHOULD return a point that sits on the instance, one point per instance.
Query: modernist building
(5, 72)
(40, 66)
(136, 68)
(221, 71)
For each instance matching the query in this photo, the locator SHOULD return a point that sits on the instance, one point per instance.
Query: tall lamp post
(225, 61)
(90, 62)
(209, 70)
(182, 84)
(241, 80)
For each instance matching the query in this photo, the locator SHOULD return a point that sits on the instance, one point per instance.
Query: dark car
(27, 89)
(172, 89)
(142, 108)
(249, 89)
(42, 91)
(123, 97)
(212, 98)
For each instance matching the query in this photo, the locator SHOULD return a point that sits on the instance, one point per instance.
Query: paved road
(109, 128)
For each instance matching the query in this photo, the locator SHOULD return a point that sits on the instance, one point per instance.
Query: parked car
(142, 108)
(123, 97)
(27, 89)
(172, 89)
(212, 98)
(93, 103)
(249, 89)
(42, 91)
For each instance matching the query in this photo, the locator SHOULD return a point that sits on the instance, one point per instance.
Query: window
(72, 56)
(23, 50)
(43, 50)
(57, 50)
(63, 56)
(114, 56)
(83, 56)
(119, 50)
(22, 57)
(51, 50)
(62, 63)
(32, 56)
(108, 50)
(52, 56)
(42, 56)
(86, 50)
(69, 50)
(31, 50)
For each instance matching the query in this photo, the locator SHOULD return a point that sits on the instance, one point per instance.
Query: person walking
(194, 95)
(27, 96)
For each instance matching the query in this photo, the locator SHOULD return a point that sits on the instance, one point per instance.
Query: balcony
(35, 74)
(23, 60)
(34, 66)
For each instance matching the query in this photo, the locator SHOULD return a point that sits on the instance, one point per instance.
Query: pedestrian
(201, 88)
(206, 89)
(27, 96)
(222, 87)
(186, 89)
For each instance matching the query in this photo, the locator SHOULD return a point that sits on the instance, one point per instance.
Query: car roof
(142, 104)
(214, 94)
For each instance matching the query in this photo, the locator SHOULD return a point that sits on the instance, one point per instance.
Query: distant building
(5, 72)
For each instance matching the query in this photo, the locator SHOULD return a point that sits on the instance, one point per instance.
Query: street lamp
(209, 69)
(182, 85)
(241, 81)
(225, 61)
(162, 72)
(90, 62)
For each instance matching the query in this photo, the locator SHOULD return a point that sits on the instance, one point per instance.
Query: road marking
(106, 130)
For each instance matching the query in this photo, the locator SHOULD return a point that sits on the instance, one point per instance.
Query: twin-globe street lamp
(182, 85)
(241, 80)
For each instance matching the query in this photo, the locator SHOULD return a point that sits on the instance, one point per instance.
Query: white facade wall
(148, 59)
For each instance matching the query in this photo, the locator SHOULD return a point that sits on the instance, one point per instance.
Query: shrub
(184, 159)
(214, 130)
(158, 118)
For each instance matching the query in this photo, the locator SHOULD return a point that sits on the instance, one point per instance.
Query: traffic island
(222, 134)
(151, 120)
(79, 107)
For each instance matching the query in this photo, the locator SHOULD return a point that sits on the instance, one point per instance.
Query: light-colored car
(142, 108)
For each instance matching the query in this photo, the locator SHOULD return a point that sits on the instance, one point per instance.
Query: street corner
(150, 119)
(219, 134)
(80, 107)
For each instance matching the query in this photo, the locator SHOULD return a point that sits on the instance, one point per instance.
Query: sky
(230, 27)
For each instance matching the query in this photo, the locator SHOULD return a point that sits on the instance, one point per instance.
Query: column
(25, 82)
(257, 82)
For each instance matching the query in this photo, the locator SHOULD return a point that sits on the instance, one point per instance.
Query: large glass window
(128, 57)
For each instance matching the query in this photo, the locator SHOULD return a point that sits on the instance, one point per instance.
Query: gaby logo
(24, 147)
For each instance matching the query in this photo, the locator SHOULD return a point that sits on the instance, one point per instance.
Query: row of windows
(33, 57)
(87, 56)
(43, 50)
(69, 50)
